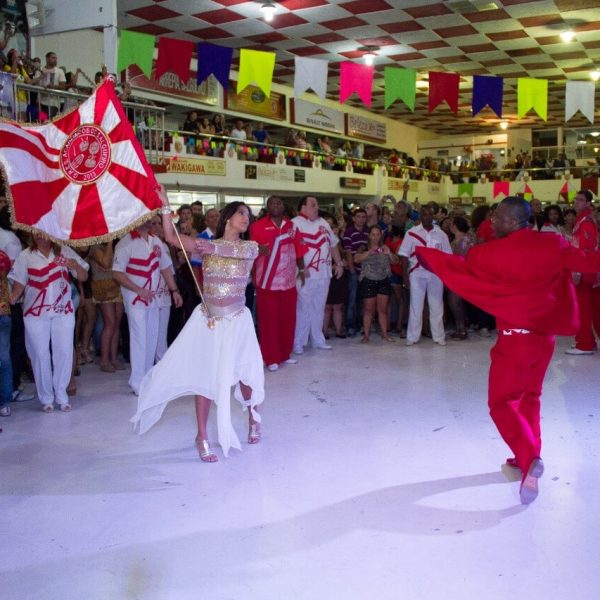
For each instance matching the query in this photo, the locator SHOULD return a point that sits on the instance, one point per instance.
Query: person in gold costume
(211, 355)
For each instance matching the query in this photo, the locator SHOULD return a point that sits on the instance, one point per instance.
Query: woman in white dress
(212, 354)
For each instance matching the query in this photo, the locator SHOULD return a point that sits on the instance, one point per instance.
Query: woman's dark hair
(569, 211)
(561, 219)
(461, 224)
(396, 231)
(228, 211)
(479, 215)
(380, 231)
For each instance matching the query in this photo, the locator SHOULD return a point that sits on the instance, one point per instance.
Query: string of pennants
(256, 67)
(566, 193)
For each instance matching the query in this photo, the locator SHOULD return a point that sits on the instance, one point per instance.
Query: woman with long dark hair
(217, 349)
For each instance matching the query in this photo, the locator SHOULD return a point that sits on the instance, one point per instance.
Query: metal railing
(35, 104)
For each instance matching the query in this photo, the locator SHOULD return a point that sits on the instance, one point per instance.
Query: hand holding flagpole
(186, 244)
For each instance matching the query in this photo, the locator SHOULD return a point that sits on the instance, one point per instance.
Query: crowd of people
(317, 275)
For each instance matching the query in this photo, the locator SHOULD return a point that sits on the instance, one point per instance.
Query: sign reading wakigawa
(194, 166)
(366, 128)
(317, 116)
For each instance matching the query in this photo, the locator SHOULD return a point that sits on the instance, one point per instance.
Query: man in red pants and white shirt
(280, 258)
(140, 259)
(585, 237)
(524, 279)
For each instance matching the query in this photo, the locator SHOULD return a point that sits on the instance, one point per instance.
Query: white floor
(379, 476)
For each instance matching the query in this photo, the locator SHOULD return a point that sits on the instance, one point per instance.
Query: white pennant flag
(579, 95)
(310, 73)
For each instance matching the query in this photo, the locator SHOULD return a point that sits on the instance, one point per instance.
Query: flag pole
(210, 319)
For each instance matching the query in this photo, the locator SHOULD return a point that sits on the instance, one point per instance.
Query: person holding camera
(374, 282)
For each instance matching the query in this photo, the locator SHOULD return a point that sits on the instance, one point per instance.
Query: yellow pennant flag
(256, 67)
(532, 93)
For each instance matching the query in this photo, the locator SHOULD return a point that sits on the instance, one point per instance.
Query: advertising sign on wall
(195, 166)
(317, 116)
(207, 92)
(365, 128)
(252, 100)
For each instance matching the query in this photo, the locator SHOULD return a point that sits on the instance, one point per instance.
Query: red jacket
(524, 279)
(585, 237)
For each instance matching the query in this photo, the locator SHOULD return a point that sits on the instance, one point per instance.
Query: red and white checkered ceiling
(508, 38)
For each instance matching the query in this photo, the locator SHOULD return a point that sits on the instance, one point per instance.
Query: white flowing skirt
(206, 362)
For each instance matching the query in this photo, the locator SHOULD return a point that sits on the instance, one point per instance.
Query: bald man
(524, 279)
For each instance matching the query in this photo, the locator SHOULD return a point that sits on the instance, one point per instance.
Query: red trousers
(588, 299)
(519, 363)
(276, 312)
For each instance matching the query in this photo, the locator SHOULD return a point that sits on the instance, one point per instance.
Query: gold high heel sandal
(205, 451)
(254, 434)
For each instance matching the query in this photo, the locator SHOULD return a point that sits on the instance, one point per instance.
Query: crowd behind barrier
(102, 337)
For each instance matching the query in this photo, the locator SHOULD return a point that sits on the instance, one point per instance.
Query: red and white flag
(81, 179)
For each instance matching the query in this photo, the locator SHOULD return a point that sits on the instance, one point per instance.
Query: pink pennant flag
(356, 78)
(501, 187)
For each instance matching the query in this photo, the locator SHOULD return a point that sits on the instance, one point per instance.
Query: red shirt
(585, 237)
(523, 279)
(393, 246)
(485, 231)
(276, 270)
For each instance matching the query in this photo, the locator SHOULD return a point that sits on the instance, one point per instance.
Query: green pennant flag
(465, 189)
(136, 49)
(400, 84)
(532, 93)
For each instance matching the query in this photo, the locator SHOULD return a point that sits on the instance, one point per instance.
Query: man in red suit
(279, 263)
(585, 237)
(523, 278)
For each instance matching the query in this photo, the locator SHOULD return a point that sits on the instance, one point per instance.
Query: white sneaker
(273, 367)
(5, 411)
(324, 347)
(290, 361)
(411, 342)
(578, 352)
(21, 396)
(441, 342)
(298, 350)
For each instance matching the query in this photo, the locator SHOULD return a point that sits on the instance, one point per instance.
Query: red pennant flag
(528, 193)
(81, 179)
(174, 56)
(501, 187)
(590, 183)
(443, 86)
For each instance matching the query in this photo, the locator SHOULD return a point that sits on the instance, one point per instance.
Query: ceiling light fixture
(594, 133)
(595, 75)
(504, 125)
(567, 36)
(369, 53)
(268, 9)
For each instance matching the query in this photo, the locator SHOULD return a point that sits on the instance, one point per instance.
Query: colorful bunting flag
(532, 93)
(527, 193)
(356, 78)
(465, 189)
(174, 56)
(310, 73)
(487, 90)
(567, 194)
(443, 86)
(501, 187)
(136, 49)
(400, 84)
(214, 60)
(579, 95)
(256, 67)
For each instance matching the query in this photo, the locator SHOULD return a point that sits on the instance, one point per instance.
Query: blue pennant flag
(487, 90)
(214, 60)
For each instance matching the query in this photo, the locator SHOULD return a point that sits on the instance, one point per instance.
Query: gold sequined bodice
(226, 273)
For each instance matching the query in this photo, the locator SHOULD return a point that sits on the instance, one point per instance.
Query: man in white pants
(140, 260)
(322, 246)
(422, 282)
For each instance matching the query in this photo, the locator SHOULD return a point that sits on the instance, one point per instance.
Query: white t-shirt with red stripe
(319, 240)
(142, 261)
(419, 236)
(46, 280)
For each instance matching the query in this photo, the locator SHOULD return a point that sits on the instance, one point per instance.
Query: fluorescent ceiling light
(268, 9)
(567, 36)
